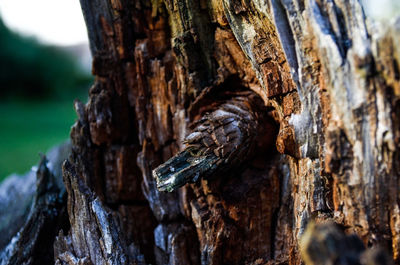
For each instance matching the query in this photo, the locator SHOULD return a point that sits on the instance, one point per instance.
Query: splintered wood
(220, 141)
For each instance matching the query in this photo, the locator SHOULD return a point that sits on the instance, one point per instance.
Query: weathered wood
(94, 237)
(330, 82)
(43, 211)
(333, 91)
(219, 141)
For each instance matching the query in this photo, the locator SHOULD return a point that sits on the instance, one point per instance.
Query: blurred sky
(58, 22)
(382, 9)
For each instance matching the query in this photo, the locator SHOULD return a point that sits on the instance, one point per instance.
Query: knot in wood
(219, 140)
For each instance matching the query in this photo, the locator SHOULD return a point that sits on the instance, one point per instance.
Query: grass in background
(29, 128)
(37, 86)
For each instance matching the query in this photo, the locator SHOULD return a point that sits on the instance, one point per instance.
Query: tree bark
(322, 144)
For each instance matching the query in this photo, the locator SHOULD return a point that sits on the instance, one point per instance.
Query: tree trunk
(310, 92)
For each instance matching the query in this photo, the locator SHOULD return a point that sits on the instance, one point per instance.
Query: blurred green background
(38, 84)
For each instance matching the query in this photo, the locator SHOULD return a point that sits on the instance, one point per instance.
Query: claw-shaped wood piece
(220, 140)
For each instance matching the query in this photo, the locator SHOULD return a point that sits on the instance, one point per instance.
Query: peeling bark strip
(220, 141)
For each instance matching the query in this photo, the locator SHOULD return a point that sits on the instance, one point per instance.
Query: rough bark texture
(32, 213)
(219, 141)
(326, 149)
(332, 84)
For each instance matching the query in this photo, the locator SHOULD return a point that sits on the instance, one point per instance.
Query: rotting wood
(33, 243)
(332, 81)
(334, 94)
(219, 141)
